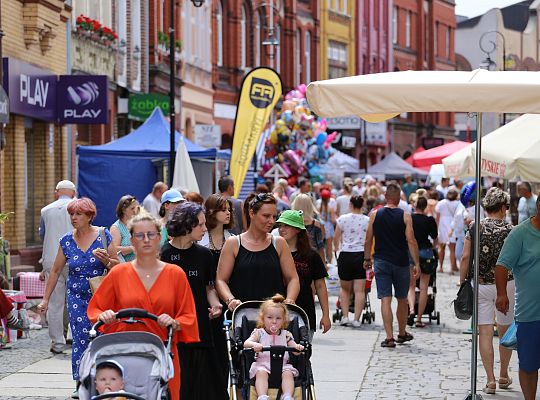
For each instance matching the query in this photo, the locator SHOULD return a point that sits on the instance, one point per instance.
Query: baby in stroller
(270, 331)
(109, 378)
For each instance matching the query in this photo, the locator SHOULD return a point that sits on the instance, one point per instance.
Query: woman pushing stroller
(270, 331)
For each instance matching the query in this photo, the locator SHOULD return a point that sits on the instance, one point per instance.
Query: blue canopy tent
(128, 165)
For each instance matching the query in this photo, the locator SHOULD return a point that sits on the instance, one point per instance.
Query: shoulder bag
(96, 280)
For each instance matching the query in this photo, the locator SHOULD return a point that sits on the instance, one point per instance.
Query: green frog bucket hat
(292, 218)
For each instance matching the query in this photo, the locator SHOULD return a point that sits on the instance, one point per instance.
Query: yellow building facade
(35, 152)
(338, 31)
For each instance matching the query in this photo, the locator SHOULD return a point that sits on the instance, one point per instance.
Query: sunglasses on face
(150, 235)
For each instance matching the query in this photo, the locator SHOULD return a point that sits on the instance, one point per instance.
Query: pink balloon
(302, 88)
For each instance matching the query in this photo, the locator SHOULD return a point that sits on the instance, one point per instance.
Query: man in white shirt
(54, 224)
(443, 188)
(152, 202)
(527, 202)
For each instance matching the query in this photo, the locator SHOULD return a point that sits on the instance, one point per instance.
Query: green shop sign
(140, 106)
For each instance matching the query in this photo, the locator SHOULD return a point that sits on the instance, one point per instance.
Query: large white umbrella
(509, 152)
(382, 96)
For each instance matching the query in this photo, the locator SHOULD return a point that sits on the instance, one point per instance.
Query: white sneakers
(356, 324)
(345, 322)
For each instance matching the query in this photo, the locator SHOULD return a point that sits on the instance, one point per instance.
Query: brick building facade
(240, 28)
(36, 149)
(423, 39)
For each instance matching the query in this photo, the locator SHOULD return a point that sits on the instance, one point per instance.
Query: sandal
(490, 388)
(388, 343)
(420, 324)
(504, 383)
(404, 338)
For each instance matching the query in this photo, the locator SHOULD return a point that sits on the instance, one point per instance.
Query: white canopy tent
(378, 97)
(510, 152)
(394, 166)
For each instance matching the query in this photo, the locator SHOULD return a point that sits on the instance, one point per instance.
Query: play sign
(82, 99)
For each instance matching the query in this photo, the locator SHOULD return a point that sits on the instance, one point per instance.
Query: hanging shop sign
(141, 106)
(4, 106)
(82, 99)
(31, 90)
(207, 135)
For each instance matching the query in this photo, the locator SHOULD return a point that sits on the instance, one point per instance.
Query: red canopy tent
(425, 159)
(409, 159)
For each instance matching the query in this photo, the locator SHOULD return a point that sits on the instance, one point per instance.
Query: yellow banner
(261, 89)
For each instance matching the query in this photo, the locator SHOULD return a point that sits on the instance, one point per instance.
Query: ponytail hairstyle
(276, 301)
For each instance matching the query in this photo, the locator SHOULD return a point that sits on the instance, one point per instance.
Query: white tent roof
(512, 151)
(394, 165)
(377, 97)
(343, 162)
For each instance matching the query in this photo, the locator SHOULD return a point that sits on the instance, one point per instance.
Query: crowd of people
(188, 259)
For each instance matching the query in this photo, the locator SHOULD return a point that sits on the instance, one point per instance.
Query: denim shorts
(388, 275)
(527, 345)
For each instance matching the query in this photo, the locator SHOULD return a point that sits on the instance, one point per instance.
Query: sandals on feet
(388, 343)
(404, 338)
(490, 388)
(420, 324)
(504, 383)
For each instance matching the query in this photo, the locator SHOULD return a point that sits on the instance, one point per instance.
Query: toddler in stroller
(273, 319)
(142, 358)
(243, 366)
(109, 378)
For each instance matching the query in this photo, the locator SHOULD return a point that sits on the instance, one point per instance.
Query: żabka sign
(65, 99)
(82, 99)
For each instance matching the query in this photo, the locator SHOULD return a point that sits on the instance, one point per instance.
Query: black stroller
(239, 328)
(147, 360)
(430, 312)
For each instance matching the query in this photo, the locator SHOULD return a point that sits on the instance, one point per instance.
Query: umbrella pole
(478, 174)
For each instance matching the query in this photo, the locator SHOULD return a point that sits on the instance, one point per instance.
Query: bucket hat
(292, 218)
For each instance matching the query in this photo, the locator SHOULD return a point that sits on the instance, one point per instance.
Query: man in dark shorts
(392, 229)
(521, 254)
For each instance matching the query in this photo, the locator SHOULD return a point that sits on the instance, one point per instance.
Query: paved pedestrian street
(348, 363)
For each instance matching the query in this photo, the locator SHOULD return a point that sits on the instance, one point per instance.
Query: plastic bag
(463, 304)
(509, 340)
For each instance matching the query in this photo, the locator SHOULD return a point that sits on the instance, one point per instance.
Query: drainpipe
(68, 72)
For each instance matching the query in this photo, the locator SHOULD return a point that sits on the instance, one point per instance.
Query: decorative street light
(488, 46)
(271, 41)
(172, 78)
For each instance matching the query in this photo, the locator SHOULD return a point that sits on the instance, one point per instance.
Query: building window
(307, 57)
(345, 7)
(277, 49)
(395, 25)
(257, 39)
(243, 38)
(298, 58)
(337, 59)
(219, 32)
(408, 29)
(448, 35)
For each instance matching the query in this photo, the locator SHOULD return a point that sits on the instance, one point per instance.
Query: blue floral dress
(82, 265)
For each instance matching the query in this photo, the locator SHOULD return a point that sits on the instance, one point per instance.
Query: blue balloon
(468, 192)
(321, 138)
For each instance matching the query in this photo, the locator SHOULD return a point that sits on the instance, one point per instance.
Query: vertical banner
(261, 89)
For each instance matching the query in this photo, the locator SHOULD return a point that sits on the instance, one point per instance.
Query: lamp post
(172, 76)
(271, 41)
(488, 46)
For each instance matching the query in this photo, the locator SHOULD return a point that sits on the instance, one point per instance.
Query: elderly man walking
(521, 254)
(527, 201)
(54, 224)
(392, 229)
(152, 202)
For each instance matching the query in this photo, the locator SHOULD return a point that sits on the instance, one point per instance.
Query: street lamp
(172, 78)
(488, 46)
(271, 41)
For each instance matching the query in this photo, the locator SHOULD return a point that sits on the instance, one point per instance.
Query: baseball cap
(65, 185)
(172, 196)
(112, 364)
(292, 218)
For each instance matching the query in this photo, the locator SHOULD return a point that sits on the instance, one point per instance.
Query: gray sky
(472, 8)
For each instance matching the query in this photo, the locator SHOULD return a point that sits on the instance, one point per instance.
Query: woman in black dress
(255, 265)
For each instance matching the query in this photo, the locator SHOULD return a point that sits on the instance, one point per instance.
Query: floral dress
(82, 265)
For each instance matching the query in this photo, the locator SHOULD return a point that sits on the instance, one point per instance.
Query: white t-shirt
(353, 231)
(343, 201)
(151, 205)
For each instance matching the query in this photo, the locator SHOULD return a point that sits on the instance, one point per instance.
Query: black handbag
(428, 260)
(464, 302)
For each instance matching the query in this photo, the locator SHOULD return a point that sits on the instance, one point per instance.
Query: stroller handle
(132, 313)
(124, 395)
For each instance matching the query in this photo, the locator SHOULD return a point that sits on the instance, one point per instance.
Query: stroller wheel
(373, 316)
(438, 318)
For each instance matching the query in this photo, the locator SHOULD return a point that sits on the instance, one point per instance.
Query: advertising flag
(261, 89)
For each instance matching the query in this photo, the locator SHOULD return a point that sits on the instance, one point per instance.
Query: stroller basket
(148, 366)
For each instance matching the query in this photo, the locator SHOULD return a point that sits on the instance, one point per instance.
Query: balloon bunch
(298, 140)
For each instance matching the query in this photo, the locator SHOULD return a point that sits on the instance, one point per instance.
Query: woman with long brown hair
(309, 266)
